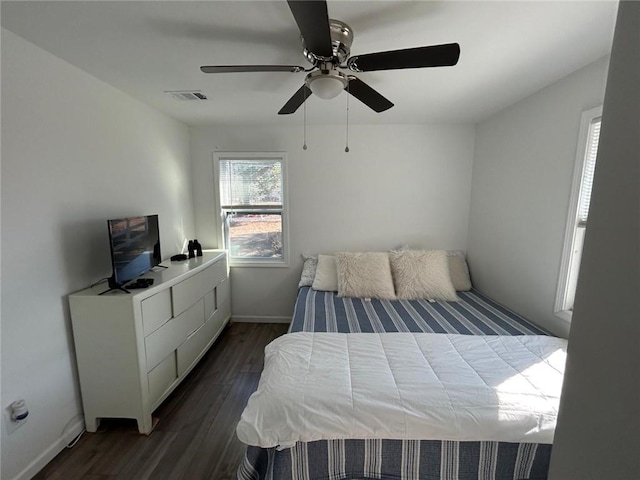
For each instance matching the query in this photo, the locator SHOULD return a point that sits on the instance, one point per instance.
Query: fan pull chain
(346, 148)
(304, 146)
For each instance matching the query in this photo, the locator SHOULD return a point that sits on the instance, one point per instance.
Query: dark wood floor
(195, 438)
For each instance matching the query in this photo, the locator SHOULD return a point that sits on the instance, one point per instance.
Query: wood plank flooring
(195, 438)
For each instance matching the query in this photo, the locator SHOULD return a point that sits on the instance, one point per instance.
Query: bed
(473, 314)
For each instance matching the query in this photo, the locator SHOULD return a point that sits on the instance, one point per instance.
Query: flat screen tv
(135, 247)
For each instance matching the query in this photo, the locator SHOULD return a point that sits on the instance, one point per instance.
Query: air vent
(189, 95)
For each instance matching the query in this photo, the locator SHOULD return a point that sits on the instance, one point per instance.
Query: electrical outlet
(12, 425)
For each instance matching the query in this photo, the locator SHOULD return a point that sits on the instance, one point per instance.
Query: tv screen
(135, 247)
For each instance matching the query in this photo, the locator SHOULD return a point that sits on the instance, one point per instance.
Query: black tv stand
(119, 287)
(113, 285)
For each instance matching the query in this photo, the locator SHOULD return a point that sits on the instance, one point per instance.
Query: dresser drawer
(216, 273)
(209, 304)
(156, 310)
(195, 344)
(191, 319)
(217, 322)
(161, 378)
(223, 291)
(167, 338)
(189, 350)
(188, 292)
(220, 317)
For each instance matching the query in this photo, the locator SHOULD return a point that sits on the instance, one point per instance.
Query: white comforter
(405, 386)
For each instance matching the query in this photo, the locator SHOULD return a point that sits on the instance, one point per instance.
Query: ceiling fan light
(326, 86)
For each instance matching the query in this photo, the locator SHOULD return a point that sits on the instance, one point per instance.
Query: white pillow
(326, 274)
(419, 274)
(459, 271)
(366, 275)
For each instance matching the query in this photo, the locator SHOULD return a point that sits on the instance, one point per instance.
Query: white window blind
(581, 187)
(589, 169)
(251, 184)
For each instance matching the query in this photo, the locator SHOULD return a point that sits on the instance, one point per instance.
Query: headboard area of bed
(411, 274)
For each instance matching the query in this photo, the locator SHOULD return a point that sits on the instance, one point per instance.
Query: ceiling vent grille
(187, 95)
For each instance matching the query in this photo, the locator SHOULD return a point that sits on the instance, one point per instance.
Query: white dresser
(134, 349)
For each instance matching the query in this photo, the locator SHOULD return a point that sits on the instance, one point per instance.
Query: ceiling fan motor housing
(341, 40)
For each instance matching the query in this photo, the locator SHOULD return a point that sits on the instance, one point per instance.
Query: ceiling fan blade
(445, 55)
(368, 95)
(250, 68)
(312, 18)
(296, 100)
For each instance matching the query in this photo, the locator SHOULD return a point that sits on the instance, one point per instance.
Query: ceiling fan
(327, 44)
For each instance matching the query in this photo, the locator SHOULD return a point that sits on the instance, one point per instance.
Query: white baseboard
(50, 453)
(259, 319)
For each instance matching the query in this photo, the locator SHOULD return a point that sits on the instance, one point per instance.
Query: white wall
(521, 184)
(75, 152)
(398, 184)
(598, 424)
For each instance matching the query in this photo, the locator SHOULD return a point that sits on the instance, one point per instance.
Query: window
(252, 207)
(579, 211)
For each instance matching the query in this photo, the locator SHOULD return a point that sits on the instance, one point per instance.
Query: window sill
(258, 263)
(564, 315)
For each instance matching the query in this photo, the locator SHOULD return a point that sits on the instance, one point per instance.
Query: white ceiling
(508, 51)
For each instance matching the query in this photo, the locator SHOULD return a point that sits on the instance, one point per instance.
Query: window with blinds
(591, 152)
(584, 170)
(251, 194)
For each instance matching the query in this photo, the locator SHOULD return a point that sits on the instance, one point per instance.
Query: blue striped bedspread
(398, 460)
(474, 314)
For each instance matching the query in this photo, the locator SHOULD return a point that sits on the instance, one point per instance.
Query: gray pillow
(308, 270)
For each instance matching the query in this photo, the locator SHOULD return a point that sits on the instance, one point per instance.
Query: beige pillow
(459, 271)
(422, 274)
(326, 274)
(366, 275)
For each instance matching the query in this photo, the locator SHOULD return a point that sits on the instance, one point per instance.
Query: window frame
(222, 214)
(574, 231)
